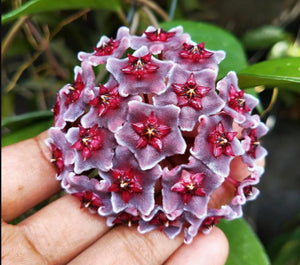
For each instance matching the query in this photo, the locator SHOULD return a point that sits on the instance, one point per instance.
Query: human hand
(64, 233)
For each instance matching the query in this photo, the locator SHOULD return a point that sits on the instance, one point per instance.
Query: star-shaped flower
(108, 108)
(251, 143)
(62, 154)
(187, 188)
(216, 143)
(158, 40)
(107, 48)
(73, 99)
(194, 57)
(88, 200)
(129, 184)
(221, 141)
(139, 73)
(193, 92)
(94, 147)
(238, 104)
(150, 133)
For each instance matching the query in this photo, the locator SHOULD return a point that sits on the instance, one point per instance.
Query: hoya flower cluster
(152, 146)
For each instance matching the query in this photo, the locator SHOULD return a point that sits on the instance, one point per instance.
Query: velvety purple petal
(209, 63)
(172, 201)
(122, 36)
(203, 149)
(149, 156)
(152, 82)
(124, 160)
(101, 158)
(224, 86)
(157, 47)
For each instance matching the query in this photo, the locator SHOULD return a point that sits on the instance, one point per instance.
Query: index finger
(27, 176)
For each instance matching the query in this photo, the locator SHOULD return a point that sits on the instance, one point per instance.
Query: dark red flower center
(75, 90)
(57, 159)
(159, 35)
(90, 139)
(254, 143)
(56, 108)
(248, 190)
(126, 218)
(107, 99)
(190, 94)
(195, 52)
(161, 220)
(236, 100)
(107, 48)
(125, 182)
(88, 200)
(139, 67)
(221, 141)
(190, 185)
(210, 221)
(151, 132)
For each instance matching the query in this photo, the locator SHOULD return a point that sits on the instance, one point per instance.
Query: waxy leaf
(282, 73)
(36, 6)
(264, 37)
(245, 247)
(26, 132)
(215, 38)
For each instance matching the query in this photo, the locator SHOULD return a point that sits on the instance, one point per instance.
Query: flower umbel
(153, 145)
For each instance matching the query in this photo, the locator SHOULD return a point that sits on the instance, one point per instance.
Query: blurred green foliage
(41, 39)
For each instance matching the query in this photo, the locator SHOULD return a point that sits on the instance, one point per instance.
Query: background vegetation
(41, 39)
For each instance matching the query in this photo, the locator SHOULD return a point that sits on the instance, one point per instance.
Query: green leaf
(285, 248)
(245, 248)
(215, 38)
(36, 6)
(282, 73)
(21, 120)
(26, 132)
(264, 37)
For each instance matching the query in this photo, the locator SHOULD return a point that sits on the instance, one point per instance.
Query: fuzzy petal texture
(238, 105)
(251, 143)
(100, 158)
(58, 138)
(216, 157)
(148, 156)
(123, 162)
(205, 223)
(107, 48)
(174, 201)
(140, 76)
(158, 40)
(158, 219)
(193, 92)
(111, 109)
(189, 62)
